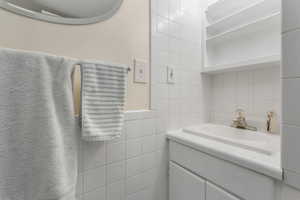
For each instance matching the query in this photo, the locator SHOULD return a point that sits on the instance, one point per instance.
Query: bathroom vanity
(216, 162)
(232, 165)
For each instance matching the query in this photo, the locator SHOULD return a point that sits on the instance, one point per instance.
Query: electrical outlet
(170, 75)
(140, 71)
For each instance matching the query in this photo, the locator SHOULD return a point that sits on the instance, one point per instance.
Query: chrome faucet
(240, 121)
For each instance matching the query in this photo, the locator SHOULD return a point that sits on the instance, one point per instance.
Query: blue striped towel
(103, 91)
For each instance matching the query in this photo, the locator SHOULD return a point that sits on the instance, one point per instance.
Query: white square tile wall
(256, 91)
(291, 15)
(176, 41)
(131, 167)
(290, 93)
(290, 101)
(176, 33)
(290, 53)
(290, 145)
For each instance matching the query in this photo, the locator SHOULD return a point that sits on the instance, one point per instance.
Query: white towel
(38, 131)
(103, 94)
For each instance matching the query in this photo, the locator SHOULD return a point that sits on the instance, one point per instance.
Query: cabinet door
(184, 185)
(215, 193)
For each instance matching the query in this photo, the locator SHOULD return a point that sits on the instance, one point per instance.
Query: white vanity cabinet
(184, 185)
(194, 173)
(214, 192)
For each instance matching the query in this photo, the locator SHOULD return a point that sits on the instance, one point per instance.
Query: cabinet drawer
(185, 185)
(240, 181)
(213, 192)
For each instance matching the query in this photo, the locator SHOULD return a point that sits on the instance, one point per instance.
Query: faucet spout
(240, 121)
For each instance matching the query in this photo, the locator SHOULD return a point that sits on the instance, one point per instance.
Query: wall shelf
(268, 61)
(223, 8)
(262, 23)
(251, 13)
(243, 35)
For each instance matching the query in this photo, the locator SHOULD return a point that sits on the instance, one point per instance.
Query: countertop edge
(259, 167)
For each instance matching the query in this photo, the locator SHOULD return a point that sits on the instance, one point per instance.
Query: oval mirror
(64, 11)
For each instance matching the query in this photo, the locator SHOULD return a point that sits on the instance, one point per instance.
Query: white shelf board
(269, 21)
(248, 14)
(222, 8)
(268, 61)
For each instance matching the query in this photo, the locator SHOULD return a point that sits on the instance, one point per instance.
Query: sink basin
(251, 140)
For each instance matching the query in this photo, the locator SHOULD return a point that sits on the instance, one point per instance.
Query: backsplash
(132, 167)
(256, 92)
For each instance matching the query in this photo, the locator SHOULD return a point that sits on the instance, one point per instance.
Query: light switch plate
(170, 75)
(140, 71)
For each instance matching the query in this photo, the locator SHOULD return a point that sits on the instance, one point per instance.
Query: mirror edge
(55, 19)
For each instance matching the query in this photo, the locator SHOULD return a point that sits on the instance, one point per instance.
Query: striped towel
(103, 91)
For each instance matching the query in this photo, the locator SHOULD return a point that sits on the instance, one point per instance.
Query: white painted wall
(118, 39)
(132, 167)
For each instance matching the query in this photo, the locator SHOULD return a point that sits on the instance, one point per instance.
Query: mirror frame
(55, 19)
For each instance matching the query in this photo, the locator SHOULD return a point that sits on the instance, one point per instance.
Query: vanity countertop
(269, 165)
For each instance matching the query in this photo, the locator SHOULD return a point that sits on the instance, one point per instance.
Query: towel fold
(38, 131)
(103, 94)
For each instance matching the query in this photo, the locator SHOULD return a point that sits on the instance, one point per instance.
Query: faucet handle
(270, 114)
(239, 113)
(270, 121)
